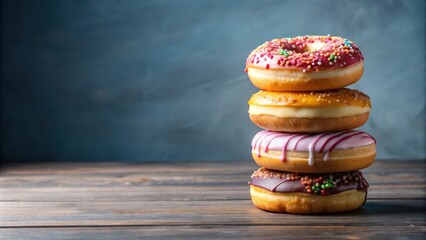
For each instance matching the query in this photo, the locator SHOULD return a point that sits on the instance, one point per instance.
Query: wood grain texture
(191, 200)
(218, 232)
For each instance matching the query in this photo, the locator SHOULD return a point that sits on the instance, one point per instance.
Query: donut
(301, 193)
(305, 63)
(314, 153)
(321, 111)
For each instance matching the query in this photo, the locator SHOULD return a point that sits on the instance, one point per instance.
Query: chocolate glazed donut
(307, 193)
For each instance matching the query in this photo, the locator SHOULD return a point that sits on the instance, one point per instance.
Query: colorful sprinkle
(315, 183)
(347, 43)
(291, 52)
(284, 52)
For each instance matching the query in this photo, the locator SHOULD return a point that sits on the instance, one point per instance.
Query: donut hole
(313, 47)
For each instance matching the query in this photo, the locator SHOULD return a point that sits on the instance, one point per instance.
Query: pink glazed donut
(328, 152)
(305, 63)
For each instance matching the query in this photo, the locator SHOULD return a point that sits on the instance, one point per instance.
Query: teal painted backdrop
(164, 80)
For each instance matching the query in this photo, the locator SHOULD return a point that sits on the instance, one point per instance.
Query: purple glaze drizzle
(283, 157)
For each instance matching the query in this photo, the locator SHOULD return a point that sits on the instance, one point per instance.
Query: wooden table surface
(192, 200)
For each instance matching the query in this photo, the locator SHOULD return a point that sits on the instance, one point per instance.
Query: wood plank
(175, 167)
(228, 212)
(180, 181)
(174, 193)
(190, 177)
(216, 232)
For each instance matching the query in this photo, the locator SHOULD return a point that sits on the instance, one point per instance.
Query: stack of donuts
(308, 153)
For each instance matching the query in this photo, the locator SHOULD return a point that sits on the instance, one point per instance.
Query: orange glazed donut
(314, 153)
(307, 63)
(324, 111)
(307, 193)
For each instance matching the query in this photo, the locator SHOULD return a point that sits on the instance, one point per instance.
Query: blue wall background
(164, 80)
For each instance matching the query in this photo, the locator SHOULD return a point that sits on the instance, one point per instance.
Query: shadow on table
(391, 208)
(373, 208)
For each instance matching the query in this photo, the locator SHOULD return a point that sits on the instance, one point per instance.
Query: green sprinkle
(331, 58)
(317, 184)
(284, 52)
(322, 186)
